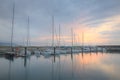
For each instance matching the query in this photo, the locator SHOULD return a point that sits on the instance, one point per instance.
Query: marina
(24, 51)
(59, 40)
(48, 50)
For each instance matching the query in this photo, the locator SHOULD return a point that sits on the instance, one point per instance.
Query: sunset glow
(98, 21)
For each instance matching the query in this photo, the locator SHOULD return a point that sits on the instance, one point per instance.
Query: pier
(111, 47)
(57, 50)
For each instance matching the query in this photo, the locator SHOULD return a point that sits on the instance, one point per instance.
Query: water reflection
(84, 66)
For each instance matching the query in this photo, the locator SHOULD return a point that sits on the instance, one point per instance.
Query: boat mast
(74, 39)
(72, 43)
(28, 32)
(72, 36)
(52, 31)
(59, 35)
(82, 39)
(27, 36)
(13, 12)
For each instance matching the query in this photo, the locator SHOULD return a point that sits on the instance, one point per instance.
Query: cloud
(102, 33)
(98, 16)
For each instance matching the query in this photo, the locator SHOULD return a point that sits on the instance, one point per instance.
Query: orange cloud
(92, 35)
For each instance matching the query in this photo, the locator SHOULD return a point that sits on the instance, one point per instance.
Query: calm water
(87, 66)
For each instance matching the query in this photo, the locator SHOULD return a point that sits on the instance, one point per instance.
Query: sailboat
(51, 51)
(37, 53)
(84, 48)
(11, 52)
(60, 50)
(26, 52)
(73, 49)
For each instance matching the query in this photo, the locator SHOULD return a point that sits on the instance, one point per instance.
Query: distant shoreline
(50, 46)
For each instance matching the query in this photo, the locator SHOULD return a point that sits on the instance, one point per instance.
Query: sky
(98, 20)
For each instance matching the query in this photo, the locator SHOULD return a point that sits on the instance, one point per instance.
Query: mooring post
(54, 50)
(82, 49)
(96, 50)
(12, 49)
(54, 53)
(102, 50)
(90, 49)
(25, 51)
(71, 50)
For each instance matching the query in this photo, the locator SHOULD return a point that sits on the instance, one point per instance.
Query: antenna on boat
(13, 12)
